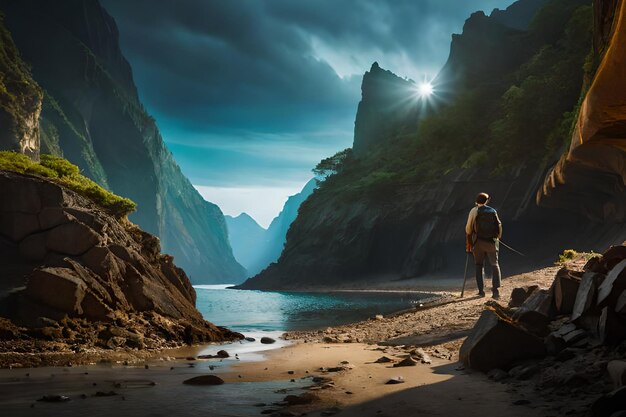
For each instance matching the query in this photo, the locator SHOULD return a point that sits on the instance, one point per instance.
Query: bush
(67, 174)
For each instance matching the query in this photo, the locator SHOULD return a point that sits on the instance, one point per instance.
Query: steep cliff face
(590, 178)
(246, 238)
(399, 210)
(64, 259)
(92, 115)
(20, 100)
(387, 102)
(255, 247)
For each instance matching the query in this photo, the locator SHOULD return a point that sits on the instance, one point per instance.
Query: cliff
(92, 116)
(74, 274)
(589, 178)
(255, 247)
(20, 100)
(398, 211)
(246, 238)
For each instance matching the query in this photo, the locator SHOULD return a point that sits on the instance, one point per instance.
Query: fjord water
(261, 311)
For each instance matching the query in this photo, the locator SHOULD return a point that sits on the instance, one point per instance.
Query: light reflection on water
(244, 310)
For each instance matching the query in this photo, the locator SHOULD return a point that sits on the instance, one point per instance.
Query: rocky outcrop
(582, 310)
(93, 117)
(590, 177)
(387, 102)
(63, 258)
(20, 100)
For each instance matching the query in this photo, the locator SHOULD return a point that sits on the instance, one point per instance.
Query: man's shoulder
(486, 209)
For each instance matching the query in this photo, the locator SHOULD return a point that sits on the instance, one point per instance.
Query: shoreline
(335, 370)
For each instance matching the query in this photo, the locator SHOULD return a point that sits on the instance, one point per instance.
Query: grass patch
(569, 255)
(67, 174)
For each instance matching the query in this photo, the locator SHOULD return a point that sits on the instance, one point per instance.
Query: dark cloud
(271, 86)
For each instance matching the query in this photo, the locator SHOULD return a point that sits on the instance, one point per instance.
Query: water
(253, 313)
(258, 311)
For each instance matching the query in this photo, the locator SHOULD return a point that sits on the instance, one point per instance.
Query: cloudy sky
(251, 94)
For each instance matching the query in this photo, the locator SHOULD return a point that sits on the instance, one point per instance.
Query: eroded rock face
(65, 257)
(590, 178)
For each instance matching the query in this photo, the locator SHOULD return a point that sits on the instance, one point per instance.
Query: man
(483, 231)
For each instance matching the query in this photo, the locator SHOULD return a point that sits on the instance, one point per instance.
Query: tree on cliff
(332, 165)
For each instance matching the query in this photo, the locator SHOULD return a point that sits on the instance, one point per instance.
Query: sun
(425, 89)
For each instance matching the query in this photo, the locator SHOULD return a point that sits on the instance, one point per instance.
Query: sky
(250, 95)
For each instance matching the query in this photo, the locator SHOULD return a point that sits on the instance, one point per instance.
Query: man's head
(482, 198)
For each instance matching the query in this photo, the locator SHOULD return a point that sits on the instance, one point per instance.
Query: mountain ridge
(93, 117)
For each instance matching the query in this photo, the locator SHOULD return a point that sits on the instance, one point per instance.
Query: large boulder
(496, 342)
(566, 285)
(587, 293)
(65, 257)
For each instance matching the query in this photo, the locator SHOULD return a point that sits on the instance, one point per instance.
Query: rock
(611, 329)
(611, 257)
(67, 287)
(18, 225)
(521, 294)
(306, 398)
(408, 361)
(497, 374)
(71, 239)
(610, 403)
(395, 380)
(613, 285)
(33, 247)
(267, 340)
(222, 354)
(566, 336)
(50, 217)
(524, 372)
(586, 295)
(250, 339)
(617, 372)
(378, 317)
(204, 380)
(383, 359)
(565, 285)
(423, 356)
(496, 343)
(54, 398)
(536, 312)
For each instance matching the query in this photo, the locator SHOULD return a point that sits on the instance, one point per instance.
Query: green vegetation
(67, 174)
(495, 120)
(569, 255)
(332, 165)
(19, 94)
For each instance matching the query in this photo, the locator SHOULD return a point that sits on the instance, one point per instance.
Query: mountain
(20, 100)
(247, 238)
(507, 98)
(256, 248)
(91, 115)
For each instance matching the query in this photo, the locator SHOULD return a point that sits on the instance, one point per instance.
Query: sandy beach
(331, 371)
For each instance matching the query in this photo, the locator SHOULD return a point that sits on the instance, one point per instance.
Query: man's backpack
(487, 225)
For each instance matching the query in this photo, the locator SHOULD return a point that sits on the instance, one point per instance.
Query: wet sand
(441, 388)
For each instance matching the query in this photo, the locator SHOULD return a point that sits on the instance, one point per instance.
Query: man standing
(483, 231)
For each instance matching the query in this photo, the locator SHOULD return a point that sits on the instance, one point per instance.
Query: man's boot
(496, 294)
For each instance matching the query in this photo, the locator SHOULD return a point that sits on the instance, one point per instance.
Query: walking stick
(465, 275)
